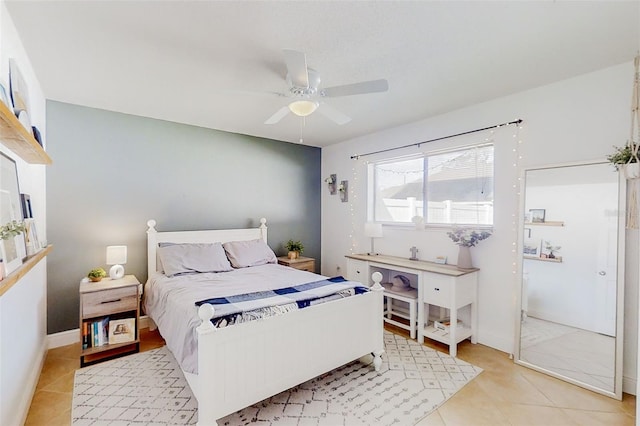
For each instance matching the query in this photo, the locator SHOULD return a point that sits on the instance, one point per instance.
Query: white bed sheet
(170, 302)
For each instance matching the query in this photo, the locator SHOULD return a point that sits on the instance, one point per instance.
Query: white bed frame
(241, 365)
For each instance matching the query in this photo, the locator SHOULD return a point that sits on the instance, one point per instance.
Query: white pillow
(190, 258)
(249, 253)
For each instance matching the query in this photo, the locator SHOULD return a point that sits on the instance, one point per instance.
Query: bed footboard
(244, 364)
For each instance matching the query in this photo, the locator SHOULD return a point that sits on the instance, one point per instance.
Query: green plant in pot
(295, 248)
(11, 229)
(96, 274)
(623, 155)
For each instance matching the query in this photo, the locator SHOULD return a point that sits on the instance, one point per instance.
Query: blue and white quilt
(281, 300)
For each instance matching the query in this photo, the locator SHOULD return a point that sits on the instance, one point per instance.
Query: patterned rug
(149, 388)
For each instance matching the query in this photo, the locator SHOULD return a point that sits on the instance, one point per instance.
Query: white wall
(568, 121)
(23, 309)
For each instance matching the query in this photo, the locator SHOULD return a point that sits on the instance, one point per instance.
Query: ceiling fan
(306, 94)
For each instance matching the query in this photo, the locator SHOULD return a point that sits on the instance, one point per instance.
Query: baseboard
(30, 387)
(69, 337)
(629, 385)
(496, 341)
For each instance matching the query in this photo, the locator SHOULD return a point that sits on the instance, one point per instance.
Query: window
(454, 187)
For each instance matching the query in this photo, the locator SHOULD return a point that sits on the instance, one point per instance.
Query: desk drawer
(437, 289)
(105, 302)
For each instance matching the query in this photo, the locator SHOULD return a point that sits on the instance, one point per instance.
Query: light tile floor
(504, 394)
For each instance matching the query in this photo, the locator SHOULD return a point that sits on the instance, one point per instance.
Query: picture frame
(31, 237)
(4, 96)
(18, 88)
(25, 201)
(122, 330)
(537, 215)
(532, 247)
(12, 250)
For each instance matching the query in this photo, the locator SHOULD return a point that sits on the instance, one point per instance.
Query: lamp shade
(373, 230)
(116, 255)
(303, 108)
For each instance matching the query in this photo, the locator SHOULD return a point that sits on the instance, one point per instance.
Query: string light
(516, 137)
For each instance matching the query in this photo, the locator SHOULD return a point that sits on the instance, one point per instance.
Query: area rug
(149, 389)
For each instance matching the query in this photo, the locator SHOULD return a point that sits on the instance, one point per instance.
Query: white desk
(443, 286)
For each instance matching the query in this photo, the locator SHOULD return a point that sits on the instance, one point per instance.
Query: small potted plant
(96, 274)
(623, 156)
(552, 249)
(295, 248)
(11, 229)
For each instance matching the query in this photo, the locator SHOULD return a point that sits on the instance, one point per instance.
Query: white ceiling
(213, 63)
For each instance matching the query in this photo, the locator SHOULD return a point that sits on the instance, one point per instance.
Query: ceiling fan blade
(279, 115)
(333, 114)
(361, 88)
(297, 67)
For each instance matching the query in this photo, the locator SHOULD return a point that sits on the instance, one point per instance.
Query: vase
(293, 255)
(464, 258)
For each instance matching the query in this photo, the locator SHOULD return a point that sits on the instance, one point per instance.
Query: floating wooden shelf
(15, 137)
(544, 259)
(550, 223)
(27, 265)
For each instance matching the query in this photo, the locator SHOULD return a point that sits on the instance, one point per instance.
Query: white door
(605, 271)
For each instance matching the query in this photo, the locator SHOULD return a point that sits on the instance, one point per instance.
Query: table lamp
(372, 230)
(116, 256)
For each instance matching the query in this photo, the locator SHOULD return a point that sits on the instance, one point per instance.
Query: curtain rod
(518, 121)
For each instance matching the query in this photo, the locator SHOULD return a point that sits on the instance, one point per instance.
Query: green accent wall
(112, 172)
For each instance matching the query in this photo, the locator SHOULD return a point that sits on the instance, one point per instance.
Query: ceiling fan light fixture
(303, 108)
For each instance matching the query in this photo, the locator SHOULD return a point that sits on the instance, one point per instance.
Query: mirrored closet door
(571, 275)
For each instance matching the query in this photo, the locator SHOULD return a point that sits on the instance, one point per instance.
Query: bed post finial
(152, 226)
(376, 277)
(263, 223)
(205, 312)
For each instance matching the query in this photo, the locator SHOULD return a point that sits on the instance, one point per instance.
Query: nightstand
(302, 263)
(109, 319)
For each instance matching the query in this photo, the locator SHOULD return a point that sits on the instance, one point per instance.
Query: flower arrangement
(11, 229)
(330, 180)
(341, 187)
(467, 237)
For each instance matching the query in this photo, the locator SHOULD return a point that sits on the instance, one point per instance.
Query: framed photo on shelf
(31, 237)
(532, 247)
(537, 215)
(12, 250)
(122, 330)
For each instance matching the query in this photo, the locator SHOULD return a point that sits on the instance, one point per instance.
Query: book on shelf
(95, 333)
(122, 330)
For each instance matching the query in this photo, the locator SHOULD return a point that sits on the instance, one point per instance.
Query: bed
(242, 364)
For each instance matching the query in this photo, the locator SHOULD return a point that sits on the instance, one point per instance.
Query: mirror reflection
(570, 273)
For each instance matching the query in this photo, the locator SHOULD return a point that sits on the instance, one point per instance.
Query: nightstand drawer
(304, 266)
(111, 301)
(301, 263)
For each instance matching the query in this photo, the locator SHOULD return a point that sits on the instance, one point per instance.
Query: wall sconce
(372, 230)
(331, 181)
(343, 188)
(116, 256)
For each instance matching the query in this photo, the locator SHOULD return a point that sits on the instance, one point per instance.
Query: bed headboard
(208, 236)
